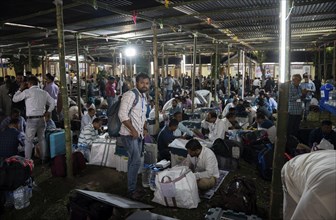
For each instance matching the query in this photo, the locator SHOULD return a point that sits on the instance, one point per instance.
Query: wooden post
(216, 72)
(319, 64)
(156, 75)
(193, 75)
(2, 68)
(334, 61)
(64, 90)
(162, 61)
(78, 79)
(243, 74)
(229, 74)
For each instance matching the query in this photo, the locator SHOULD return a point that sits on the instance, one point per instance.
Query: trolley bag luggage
(102, 152)
(78, 162)
(58, 166)
(176, 187)
(57, 143)
(265, 162)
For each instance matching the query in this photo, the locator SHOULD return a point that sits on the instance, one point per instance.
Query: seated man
(175, 107)
(266, 124)
(228, 106)
(325, 131)
(88, 135)
(11, 138)
(15, 113)
(202, 161)
(165, 137)
(88, 117)
(309, 183)
(181, 129)
(215, 126)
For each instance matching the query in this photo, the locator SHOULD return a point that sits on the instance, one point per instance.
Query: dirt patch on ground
(50, 199)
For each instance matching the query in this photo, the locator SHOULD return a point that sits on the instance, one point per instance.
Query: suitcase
(57, 143)
(102, 152)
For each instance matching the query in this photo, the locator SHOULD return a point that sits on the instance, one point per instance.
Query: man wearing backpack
(133, 118)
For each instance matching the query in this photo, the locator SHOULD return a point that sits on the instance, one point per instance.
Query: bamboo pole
(167, 66)
(278, 159)
(319, 64)
(162, 61)
(64, 90)
(193, 75)
(155, 62)
(2, 68)
(243, 74)
(78, 79)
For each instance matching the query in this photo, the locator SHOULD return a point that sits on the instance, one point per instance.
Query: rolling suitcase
(57, 143)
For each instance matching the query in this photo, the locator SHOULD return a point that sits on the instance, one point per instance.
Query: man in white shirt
(133, 118)
(202, 161)
(309, 183)
(87, 135)
(35, 100)
(88, 117)
(216, 126)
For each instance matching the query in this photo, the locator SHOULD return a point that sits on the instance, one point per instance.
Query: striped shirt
(88, 135)
(137, 115)
(294, 100)
(35, 99)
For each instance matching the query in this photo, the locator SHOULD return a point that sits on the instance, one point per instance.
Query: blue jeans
(110, 101)
(134, 150)
(169, 94)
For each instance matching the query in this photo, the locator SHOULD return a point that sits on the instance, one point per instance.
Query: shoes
(136, 195)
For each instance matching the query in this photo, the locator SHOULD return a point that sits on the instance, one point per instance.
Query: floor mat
(208, 194)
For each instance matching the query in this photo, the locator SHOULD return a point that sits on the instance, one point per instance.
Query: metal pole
(2, 68)
(64, 90)
(156, 75)
(78, 79)
(193, 75)
(229, 74)
(284, 68)
(216, 72)
(319, 63)
(162, 61)
(334, 61)
(243, 81)
(29, 57)
(325, 63)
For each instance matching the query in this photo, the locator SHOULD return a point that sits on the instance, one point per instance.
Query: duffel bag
(176, 187)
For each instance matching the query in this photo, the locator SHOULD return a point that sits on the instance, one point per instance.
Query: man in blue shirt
(166, 136)
(15, 113)
(11, 138)
(296, 94)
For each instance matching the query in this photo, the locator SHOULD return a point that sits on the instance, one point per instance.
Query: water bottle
(153, 172)
(18, 195)
(145, 175)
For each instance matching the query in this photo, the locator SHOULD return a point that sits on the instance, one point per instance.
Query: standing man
(35, 100)
(110, 91)
(296, 95)
(53, 91)
(133, 118)
(169, 87)
(310, 87)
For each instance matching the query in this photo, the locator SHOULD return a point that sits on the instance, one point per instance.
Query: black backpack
(227, 153)
(240, 196)
(265, 162)
(113, 121)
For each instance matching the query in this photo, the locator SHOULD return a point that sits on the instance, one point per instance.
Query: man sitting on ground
(266, 124)
(182, 129)
(175, 107)
(215, 126)
(166, 136)
(88, 117)
(88, 135)
(325, 131)
(15, 113)
(202, 161)
(11, 138)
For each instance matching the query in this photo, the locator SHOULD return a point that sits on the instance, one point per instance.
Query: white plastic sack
(325, 145)
(176, 187)
(102, 152)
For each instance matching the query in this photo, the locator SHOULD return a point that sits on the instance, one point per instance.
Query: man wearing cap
(308, 85)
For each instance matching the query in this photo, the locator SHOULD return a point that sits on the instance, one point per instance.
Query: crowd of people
(29, 107)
